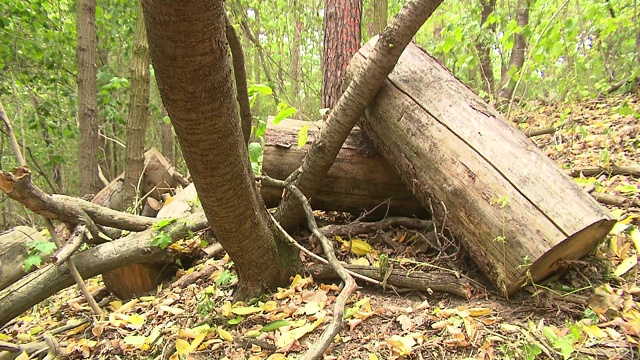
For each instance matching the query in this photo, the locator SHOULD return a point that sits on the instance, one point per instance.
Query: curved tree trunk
(191, 61)
(87, 98)
(138, 118)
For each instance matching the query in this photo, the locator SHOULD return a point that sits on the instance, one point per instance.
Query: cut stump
(517, 214)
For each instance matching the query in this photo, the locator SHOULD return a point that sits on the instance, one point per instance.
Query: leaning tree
(190, 56)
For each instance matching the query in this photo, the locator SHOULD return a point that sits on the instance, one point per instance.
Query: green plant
(37, 249)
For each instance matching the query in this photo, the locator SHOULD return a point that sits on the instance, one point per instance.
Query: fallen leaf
(405, 322)
(626, 265)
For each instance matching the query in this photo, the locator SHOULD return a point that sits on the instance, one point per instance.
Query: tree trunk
(484, 46)
(87, 97)
(357, 96)
(359, 180)
(341, 41)
(516, 213)
(191, 61)
(295, 58)
(13, 253)
(166, 138)
(380, 14)
(516, 61)
(138, 118)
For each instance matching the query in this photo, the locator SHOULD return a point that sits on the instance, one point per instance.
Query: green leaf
(259, 89)
(32, 261)
(303, 135)
(283, 114)
(163, 223)
(45, 248)
(236, 320)
(274, 325)
(161, 240)
(255, 152)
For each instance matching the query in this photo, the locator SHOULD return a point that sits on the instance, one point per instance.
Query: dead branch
(440, 281)
(357, 228)
(135, 248)
(612, 171)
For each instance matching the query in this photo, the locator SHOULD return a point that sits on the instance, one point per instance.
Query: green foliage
(37, 249)
(163, 223)
(161, 240)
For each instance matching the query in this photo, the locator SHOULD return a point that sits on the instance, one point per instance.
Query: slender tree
(341, 40)
(516, 60)
(191, 62)
(87, 97)
(138, 118)
(484, 46)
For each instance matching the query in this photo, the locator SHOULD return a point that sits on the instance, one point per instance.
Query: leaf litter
(589, 312)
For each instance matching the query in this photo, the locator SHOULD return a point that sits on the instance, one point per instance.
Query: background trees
(573, 50)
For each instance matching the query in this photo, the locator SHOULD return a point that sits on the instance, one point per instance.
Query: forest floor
(589, 312)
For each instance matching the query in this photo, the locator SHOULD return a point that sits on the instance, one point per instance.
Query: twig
(317, 349)
(74, 271)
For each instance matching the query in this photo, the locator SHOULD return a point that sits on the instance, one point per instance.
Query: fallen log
(135, 248)
(511, 207)
(13, 253)
(359, 180)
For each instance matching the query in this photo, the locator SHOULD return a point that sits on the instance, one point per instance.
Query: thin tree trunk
(87, 97)
(240, 75)
(166, 139)
(341, 40)
(295, 57)
(196, 85)
(516, 61)
(484, 46)
(138, 117)
(380, 14)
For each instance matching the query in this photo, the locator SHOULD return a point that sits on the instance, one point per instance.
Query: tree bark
(166, 139)
(13, 253)
(87, 98)
(138, 118)
(516, 60)
(191, 59)
(380, 14)
(240, 75)
(357, 96)
(341, 40)
(516, 213)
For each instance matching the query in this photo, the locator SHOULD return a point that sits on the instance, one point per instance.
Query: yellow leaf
(136, 319)
(115, 305)
(269, 306)
(226, 309)
(475, 312)
(635, 238)
(246, 310)
(626, 265)
(401, 345)
(171, 310)
(182, 347)
(295, 334)
(128, 306)
(4, 337)
(358, 247)
(197, 341)
(137, 341)
(24, 337)
(277, 357)
(594, 331)
(373, 356)
(224, 334)
(23, 356)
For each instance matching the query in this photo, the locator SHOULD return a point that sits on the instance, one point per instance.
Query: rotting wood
(515, 212)
(13, 253)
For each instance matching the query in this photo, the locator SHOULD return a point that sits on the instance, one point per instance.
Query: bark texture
(191, 59)
(518, 215)
(87, 97)
(341, 40)
(484, 46)
(138, 118)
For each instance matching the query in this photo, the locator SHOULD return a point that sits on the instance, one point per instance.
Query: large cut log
(360, 179)
(512, 208)
(13, 253)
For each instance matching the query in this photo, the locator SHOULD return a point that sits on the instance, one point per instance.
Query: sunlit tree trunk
(295, 57)
(191, 62)
(380, 14)
(138, 117)
(508, 82)
(87, 98)
(341, 40)
(166, 139)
